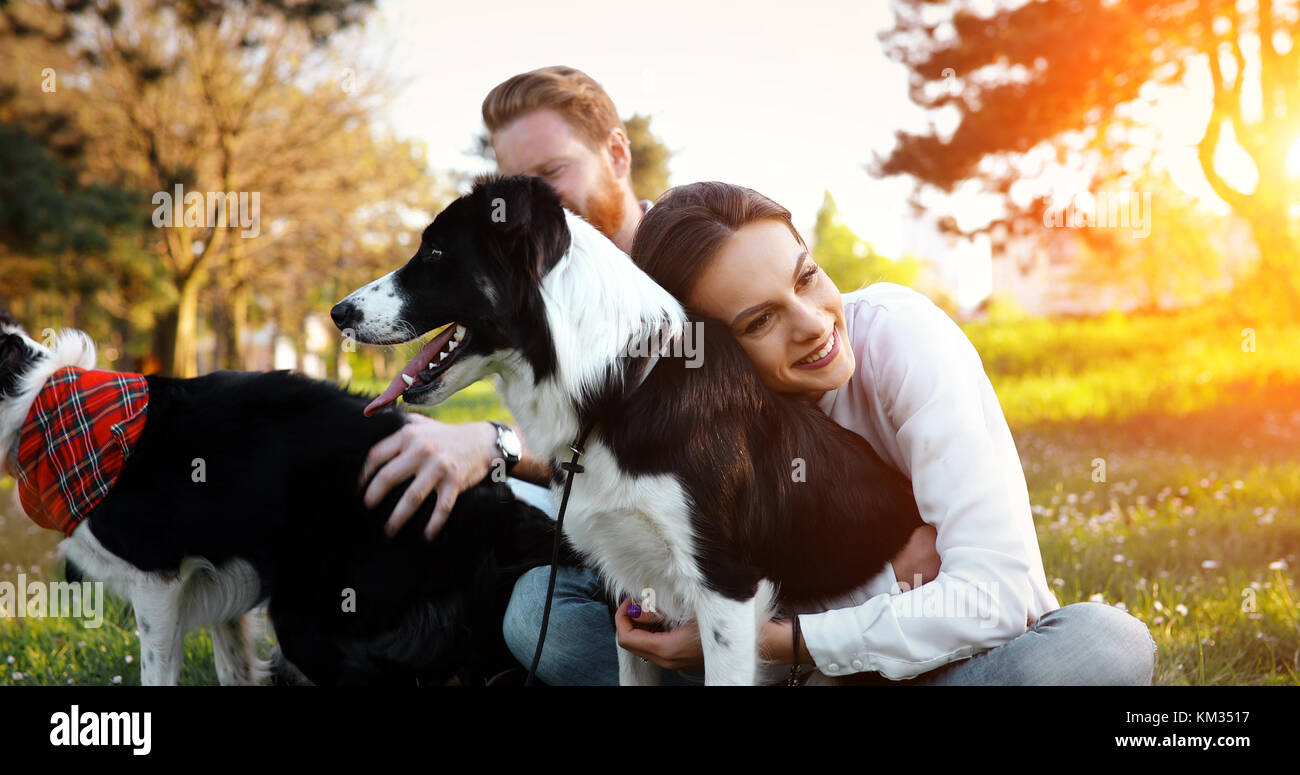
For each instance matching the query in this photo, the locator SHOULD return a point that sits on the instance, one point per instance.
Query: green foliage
(849, 260)
(43, 208)
(649, 158)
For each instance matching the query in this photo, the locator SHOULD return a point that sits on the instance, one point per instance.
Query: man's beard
(605, 206)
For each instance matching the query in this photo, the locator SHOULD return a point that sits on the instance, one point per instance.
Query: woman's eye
(808, 276)
(758, 322)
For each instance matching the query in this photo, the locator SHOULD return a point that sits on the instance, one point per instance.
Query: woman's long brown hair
(684, 230)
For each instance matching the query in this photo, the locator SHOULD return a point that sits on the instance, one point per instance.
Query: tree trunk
(185, 355)
(164, 344)
(1279, 257)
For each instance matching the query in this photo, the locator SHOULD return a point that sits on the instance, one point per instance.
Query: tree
(848, 259)
(1181, 263)
(649, 158)
(174, 88)
(1055, 82)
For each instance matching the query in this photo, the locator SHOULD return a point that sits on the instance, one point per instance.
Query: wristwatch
(508, 445)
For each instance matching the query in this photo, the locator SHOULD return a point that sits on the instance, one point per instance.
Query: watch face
(510, 443)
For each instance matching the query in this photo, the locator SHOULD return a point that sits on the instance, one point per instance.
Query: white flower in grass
(1181, 609)
(1159, 606)
(9, 659)
(1210, 564)
(1237, 484)
(1058, 582)
(1120, 605)
(18, 676)
(1097, 597)
(129, 659)
(1118, 558)
(1275, 565)
(117, 679)
(1158, 620)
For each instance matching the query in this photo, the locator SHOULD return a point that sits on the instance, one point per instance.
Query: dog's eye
(434, 253)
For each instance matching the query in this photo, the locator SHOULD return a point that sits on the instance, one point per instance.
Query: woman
(888, 364)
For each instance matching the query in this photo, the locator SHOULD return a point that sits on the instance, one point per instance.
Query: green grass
(1195, 529)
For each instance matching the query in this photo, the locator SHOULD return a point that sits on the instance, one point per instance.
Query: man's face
(542, 143)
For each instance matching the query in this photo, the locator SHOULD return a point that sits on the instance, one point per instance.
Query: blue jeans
(1078, 644)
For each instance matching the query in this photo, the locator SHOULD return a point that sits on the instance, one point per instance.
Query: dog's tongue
(412, 369)
(390, 394)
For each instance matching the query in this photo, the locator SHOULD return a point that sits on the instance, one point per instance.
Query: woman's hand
(677, 649)
(917, 558)
(448, 459)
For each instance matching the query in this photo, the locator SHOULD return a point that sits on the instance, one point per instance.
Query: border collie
(690, 485)
(240, 489)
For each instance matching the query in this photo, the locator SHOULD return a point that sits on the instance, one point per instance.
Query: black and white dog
(277, 517)
(688, 488)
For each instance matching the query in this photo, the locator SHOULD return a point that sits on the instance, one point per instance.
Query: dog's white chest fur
(637, 531)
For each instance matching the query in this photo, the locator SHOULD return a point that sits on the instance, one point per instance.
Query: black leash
(793, 680)
(573, 468)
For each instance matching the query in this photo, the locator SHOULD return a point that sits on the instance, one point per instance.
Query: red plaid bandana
(76, 441)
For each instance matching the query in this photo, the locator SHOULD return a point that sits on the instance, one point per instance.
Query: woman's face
(781, 307)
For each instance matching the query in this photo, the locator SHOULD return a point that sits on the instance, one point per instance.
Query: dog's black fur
(281, 456)
(781, 491)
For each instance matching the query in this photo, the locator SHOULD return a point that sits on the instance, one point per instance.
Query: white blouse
(920, 397)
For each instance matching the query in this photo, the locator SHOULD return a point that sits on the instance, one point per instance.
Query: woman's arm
(927, 378)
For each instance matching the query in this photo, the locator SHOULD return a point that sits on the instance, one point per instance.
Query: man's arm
(530, 468)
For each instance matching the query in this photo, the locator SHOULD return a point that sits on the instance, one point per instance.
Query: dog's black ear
(14, 354)
(509, 202)
(6, 319)
(529, 211)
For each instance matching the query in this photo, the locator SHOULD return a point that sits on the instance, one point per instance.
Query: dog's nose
(343, 314)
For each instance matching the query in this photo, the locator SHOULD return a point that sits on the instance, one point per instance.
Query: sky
(788, 98)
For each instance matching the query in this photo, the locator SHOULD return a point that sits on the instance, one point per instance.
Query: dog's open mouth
(420, 375)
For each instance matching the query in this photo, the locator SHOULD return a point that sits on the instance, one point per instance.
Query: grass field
(1194, 527)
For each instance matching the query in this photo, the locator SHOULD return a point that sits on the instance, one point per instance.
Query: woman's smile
(822, 356)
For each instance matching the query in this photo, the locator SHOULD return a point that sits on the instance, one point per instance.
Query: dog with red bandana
(199, 500)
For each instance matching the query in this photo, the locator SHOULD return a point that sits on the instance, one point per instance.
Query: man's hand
(677, 649)
(917, 558)
(448, 459)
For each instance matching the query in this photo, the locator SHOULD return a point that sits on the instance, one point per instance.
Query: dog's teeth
(452, 345)
(460, 332)
(408, 379)
(442, 357)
